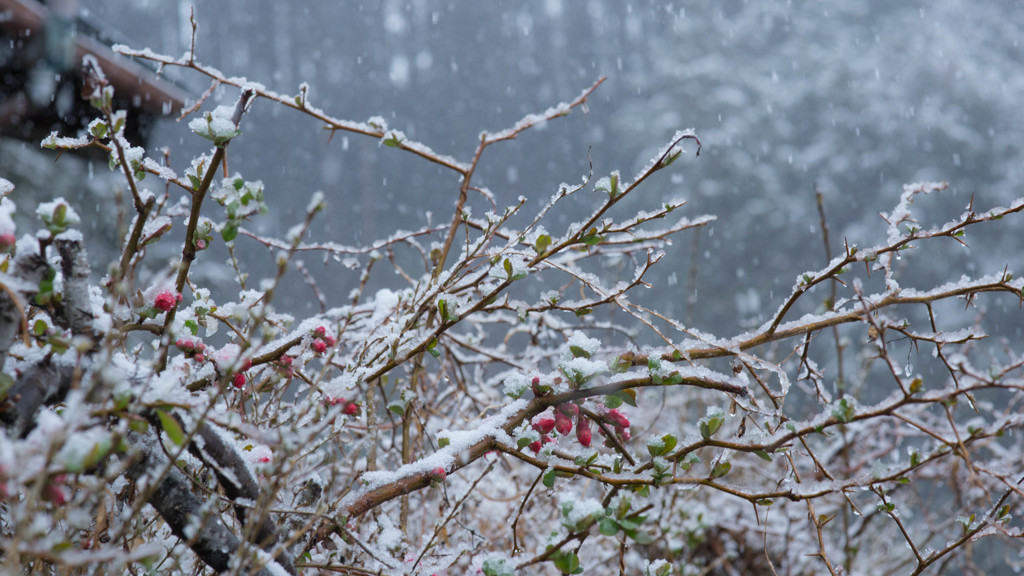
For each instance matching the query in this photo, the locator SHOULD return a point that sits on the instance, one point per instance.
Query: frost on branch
(515, 406)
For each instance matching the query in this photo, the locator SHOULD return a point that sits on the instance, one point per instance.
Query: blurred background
(855, 98)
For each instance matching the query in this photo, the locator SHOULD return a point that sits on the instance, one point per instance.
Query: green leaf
(542, 243)
(721, 469)
(443, 441)
(671, 158)
(171, 427)
(640, 537)
(844, 410)
(592, 238)
(661, 446)
(578, 352)
(230, 231)
(612, 401)
(711, 423)
(549, 478)
(507, 264)
(566, 562)
(763, 455)
(608, 526)
(432, 348)
(585, 311)
(497, 566)
(39, 328)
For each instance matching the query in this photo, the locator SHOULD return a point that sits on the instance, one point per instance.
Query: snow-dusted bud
(166, 300)
(583, 432)
(563, 424)
(544, 425)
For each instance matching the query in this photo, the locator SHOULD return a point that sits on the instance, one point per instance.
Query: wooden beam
(140, 85)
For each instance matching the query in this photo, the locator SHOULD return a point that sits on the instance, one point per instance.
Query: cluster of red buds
(567, 416)
(166, 300)
(321, 340)
(562, 422)
(195, 350)
(348, 407)
(239, 378)
(619, 422)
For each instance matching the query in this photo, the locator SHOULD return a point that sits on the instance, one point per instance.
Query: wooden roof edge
(143, 87)
(147, 90)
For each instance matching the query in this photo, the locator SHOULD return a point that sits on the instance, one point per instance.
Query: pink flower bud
(239, 380)
(200, 244)
(54, 491)
(166, 301)
(320, 331)
(330, 340)
(569, 409)
(285, 360)
(437, 474)
(246, 364)
(350, 409)
(319, 346)
(199, 358)
(7, 241)
(583, 432)
(544, 425)
(563, 424)
(618, 419)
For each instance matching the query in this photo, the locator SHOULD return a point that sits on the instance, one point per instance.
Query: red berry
(239, 380)
(563, 424)
(319, 346)
(166, 301)
(583, 432)
(544, 425)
